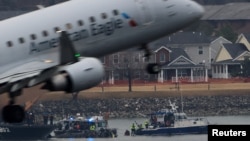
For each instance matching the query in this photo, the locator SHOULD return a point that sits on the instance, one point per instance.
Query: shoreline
(141, 94)
(138, 104)
(219, 100)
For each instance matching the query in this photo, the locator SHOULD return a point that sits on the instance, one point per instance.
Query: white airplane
(60, 45)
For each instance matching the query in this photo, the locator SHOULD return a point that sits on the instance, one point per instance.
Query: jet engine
(86, 73)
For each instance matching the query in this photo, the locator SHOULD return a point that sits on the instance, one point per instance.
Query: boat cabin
(80, 123)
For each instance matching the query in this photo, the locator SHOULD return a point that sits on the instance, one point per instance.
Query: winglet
(67, 50)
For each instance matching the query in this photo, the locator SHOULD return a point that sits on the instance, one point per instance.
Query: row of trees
(209, 29)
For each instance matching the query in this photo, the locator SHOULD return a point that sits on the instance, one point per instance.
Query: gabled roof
(163, 47)
(242, 56)
(176, 55)
(243, 35)
(177, 52)
(235, 49)
(174, 52)
(220, 38)
(185, 62)
(247, 36)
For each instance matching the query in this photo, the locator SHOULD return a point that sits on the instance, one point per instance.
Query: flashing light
(91, 119)
(77, 55)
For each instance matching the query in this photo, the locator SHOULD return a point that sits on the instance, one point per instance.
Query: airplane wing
(39, 69)
(27, 70)
(22, 74)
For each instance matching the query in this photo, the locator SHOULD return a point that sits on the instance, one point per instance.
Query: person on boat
(92, 132)
(51, 119)
(132, 129)
(77, 126)
(146, 124)
(169, 119)
(172, 119)
(45, 119)
(127, 133)
(30, 118)
(166, 122)
(153, 120)
(92, 128)
(67, 126)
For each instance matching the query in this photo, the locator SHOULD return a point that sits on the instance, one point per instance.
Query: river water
(123, 124)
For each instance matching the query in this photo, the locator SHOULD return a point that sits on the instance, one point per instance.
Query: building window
(115, 59)
(214, 69)
(125, 59)
(200, 50)
(162, 57)
(145, 59)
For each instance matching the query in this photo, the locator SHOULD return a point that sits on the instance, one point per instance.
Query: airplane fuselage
(97, 28)
(44, 46)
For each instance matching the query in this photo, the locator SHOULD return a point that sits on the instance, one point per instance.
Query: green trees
(227, 32)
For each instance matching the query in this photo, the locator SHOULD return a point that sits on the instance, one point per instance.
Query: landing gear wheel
(13, 114)
(153, 68)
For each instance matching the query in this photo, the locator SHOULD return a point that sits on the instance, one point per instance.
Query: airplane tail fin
(67, 50)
